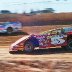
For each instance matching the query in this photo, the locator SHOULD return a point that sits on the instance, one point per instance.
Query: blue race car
(10, 27)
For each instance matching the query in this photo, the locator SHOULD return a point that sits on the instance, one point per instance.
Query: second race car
(10, 27)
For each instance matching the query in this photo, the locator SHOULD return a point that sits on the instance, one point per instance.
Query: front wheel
(28, 47)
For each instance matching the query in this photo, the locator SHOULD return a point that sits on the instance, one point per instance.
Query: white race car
(10, 27)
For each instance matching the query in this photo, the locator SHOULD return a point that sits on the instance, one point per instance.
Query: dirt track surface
(46, 60)
(44, 54)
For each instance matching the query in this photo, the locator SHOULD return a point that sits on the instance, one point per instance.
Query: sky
(20, 6)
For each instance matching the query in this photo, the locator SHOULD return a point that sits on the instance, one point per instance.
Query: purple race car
(52, 38)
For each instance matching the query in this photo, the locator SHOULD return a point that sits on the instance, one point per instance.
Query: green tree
(48, 10)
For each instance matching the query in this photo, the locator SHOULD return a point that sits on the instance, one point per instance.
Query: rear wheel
(69, 46)
(9, 30)
(28, 47)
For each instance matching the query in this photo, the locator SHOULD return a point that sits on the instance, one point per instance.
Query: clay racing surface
(44, 60)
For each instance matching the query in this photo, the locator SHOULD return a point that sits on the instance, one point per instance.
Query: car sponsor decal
(42, 40)
(57, 40)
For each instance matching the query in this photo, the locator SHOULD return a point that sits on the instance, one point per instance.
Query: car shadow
(14, 34)
(45, 51)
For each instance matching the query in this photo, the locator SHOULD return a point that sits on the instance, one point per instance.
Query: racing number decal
(57, 40)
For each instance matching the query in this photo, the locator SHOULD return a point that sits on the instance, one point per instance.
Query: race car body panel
(51, 40)
(19, 44)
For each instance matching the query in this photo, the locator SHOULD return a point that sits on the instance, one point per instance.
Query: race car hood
(20, 40)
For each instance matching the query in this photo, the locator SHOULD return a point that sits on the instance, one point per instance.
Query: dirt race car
(10, 27)
(52, 38)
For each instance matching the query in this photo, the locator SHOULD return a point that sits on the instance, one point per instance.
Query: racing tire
(9, 30)
(69, 46)
(28, 47)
